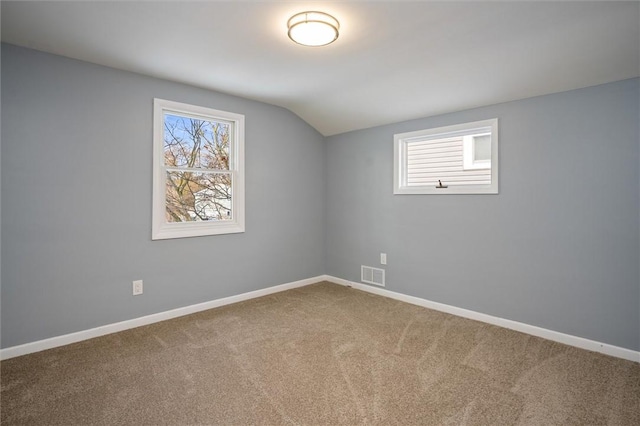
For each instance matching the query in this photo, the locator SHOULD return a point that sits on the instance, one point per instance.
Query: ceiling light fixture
(313, 28)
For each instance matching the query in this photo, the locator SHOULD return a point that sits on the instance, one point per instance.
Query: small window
(198, 176)
(459, 159)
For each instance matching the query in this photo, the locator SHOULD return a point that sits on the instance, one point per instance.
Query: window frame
(161, 229)
(401, 140)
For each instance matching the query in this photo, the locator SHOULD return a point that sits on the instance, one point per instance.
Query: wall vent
(371, 275)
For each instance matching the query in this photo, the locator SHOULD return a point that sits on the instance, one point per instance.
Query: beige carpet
(321, 354)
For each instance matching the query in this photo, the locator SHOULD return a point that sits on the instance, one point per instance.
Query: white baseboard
(66, 339)
(555, 336)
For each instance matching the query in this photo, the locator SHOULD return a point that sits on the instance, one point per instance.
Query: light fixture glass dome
(313, 28)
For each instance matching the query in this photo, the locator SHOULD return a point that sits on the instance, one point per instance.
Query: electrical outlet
(137, 287)
(383, 258)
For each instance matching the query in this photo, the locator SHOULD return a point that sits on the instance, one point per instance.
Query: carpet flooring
(319, 355)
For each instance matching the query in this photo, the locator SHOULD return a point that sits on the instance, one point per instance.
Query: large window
(459, 159)
(198, 176)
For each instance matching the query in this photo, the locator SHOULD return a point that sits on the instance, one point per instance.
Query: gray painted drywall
(76, 200)
(557, 248)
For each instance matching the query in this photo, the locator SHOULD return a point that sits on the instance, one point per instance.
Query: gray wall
(557, 248)
(76, 200)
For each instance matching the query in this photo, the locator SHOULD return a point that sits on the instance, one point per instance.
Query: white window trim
(161, 229)
(400, 141)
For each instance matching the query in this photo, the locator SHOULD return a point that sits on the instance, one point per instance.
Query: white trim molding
(79, 336)
(555, 336)
(567, 339)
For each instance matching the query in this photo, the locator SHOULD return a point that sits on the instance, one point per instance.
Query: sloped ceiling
(393, 61)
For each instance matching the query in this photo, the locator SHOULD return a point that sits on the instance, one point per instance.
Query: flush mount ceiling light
(313, 28)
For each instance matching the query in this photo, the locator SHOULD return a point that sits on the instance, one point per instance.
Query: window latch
(440, 185)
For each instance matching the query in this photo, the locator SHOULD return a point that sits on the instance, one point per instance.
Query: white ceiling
(393, 61)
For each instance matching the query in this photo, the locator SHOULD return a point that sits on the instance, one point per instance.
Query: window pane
(482, 148)
(432, 160)
(196, 197)
(189, 142)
